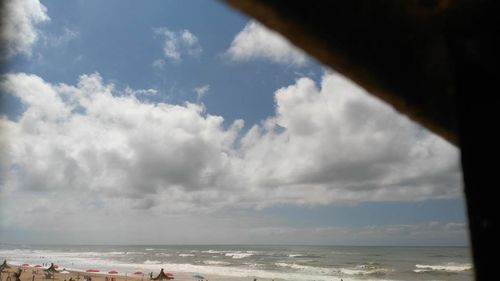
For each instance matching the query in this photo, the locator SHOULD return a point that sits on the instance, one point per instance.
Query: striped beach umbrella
(92, 270)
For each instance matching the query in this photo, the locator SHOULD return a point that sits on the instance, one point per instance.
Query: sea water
(245, 262)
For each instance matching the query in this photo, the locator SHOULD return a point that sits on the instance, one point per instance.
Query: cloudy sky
(184, 122)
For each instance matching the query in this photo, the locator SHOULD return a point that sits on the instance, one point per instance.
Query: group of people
(86, 278)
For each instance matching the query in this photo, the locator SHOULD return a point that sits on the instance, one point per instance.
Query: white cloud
(101, 150)
(201, 91)
(336, 143)
(66, 36)
(19, 20)
(159, 63)
(256, 41)
(140, 92)
(85, 131)
(178, 44)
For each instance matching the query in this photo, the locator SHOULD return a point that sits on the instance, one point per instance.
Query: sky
(185, 122)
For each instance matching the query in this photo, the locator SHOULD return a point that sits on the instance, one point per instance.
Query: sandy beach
(31, 273)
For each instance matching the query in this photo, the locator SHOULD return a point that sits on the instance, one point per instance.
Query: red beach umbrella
(169, 274)
(113, 272)
(138, 272)
(25, 264)
(38, 265)
(56, 266)
(92, 270)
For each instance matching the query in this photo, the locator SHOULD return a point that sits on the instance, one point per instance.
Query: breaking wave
(449, 267)
(211, 262)
(239, 255)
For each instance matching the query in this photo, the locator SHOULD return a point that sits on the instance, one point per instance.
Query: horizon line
(220, 244)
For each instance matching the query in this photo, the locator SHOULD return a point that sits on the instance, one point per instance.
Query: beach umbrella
(198, 277)
(56, 266)
(113, 272)
(92, 270)
(38, 265)
(25, 264)
(138, 273)
(163, 276)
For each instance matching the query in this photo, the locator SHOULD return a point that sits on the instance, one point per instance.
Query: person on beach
(17, 275)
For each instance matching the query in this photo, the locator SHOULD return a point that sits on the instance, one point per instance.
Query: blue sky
(189, 113)
(121, 45)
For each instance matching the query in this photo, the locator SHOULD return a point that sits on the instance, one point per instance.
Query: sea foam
(449, 267)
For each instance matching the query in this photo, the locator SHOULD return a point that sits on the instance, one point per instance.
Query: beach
(30, 273)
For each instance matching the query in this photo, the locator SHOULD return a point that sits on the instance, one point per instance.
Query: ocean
(264, 262)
